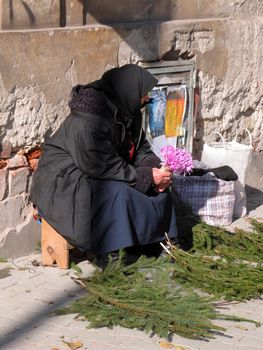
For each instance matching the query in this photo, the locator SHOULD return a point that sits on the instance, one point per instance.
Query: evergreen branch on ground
(160, 296)
(227, 265)
(222, 278)
(237, 246)
(143, 296)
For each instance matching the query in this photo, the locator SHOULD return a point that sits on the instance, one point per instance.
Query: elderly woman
(98, 183)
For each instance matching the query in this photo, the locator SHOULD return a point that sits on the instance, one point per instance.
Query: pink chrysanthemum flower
(177, 159)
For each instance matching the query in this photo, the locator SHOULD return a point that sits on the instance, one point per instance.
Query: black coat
(88, 145)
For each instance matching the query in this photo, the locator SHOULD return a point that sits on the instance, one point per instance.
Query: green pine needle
(143, 296)
(157, 296)
(227, 265)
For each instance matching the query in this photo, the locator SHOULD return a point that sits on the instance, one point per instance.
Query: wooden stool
(55, 249)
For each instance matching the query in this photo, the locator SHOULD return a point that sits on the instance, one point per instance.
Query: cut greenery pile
(161, 297)
(227, 265)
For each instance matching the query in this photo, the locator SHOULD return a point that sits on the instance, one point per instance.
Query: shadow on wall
(29, 12)
(199, 122)
(23, 14)
(254, 198)
(122, 15)
(84, 12)
(119, 14)
(119, 11)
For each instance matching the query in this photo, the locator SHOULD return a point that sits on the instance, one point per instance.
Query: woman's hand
(161, 178)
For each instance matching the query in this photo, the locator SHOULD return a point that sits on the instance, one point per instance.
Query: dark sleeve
(144, 179)
(145, 161)
(93, 151)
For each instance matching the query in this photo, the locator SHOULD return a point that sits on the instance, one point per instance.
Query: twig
(78, 281)
(167, 251)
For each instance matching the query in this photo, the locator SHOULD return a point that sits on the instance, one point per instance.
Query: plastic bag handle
(221, 136)
(249, 134)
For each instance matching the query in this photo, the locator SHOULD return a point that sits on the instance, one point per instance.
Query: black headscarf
(126, 85)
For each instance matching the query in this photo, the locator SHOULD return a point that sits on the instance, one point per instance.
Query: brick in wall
(18, 180)
(11, 210)
(3, 183)
(17, 161)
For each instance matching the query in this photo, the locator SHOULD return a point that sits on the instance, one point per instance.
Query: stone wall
(229, 61)
(19, 233)
(40, 66)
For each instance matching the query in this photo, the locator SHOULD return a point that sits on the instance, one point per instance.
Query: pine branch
(144, 296)
(157, 296)
(240, 245)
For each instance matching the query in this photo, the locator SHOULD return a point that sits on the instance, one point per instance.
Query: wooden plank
(55, 249)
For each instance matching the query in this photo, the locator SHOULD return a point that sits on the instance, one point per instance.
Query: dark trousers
(123, 217)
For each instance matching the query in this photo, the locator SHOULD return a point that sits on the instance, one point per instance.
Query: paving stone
(18, 345)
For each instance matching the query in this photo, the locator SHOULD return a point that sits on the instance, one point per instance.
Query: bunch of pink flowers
(177, 159)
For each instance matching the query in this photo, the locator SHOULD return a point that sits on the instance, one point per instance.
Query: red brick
(5, 150)
(33, 163)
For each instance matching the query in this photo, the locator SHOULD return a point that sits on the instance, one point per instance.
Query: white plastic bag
(235, 155)
(214, 153)
(238, 156)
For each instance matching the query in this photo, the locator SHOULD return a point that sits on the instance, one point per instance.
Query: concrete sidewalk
(28, 293)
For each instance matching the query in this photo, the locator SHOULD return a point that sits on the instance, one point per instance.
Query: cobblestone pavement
(29, 293)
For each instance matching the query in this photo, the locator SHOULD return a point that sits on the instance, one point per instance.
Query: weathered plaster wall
(199, 9)
(37, 72)
(230, 72)
(39, 67)
(36, 77)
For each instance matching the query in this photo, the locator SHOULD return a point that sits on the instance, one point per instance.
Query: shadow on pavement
(27, 325)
